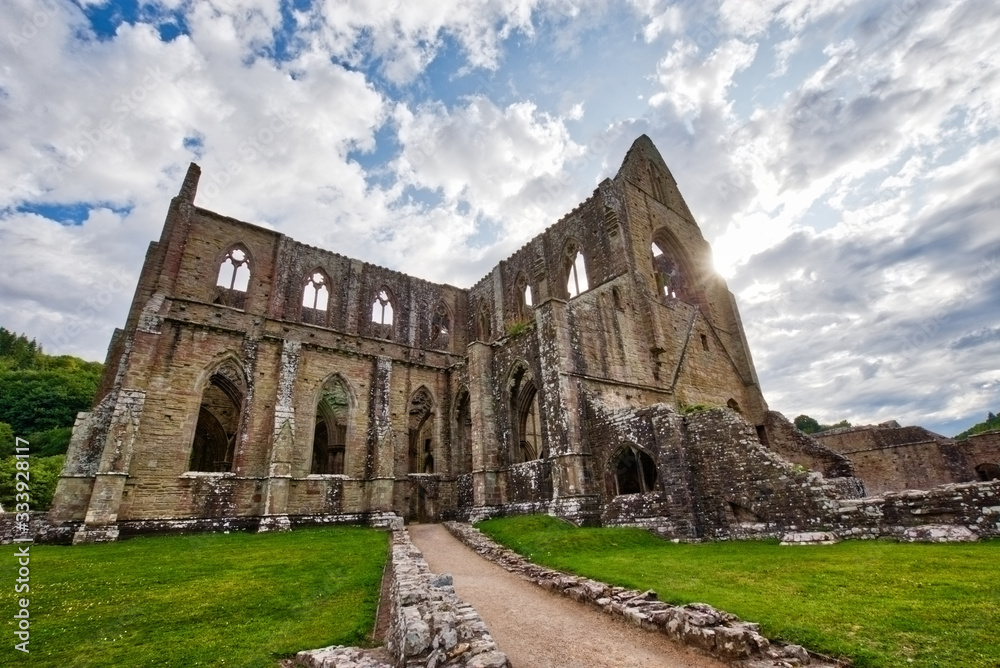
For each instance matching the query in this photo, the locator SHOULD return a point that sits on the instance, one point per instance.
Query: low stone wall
(45, 532)
(717, 633)
(974, 506)
(429, 626)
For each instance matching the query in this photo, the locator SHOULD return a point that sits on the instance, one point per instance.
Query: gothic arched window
(382, 314)
(233, 279)
(576, 272)
(330, 430)
(635, 472)
(315, 298)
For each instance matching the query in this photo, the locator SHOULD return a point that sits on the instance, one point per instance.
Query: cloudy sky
(842, 157)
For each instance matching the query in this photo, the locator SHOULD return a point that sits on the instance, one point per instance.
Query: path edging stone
(698, 625)
(429, 625)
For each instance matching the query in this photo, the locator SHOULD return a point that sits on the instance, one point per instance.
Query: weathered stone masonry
(262, 383)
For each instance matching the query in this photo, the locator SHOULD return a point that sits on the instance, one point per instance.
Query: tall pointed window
(330, 431)
(233, 279)
(382, 313)
(522, 297)
(484, 324)
(463, 434)
(440, 332)
(576, 281)
(525, 418)
(421, 432)
(315, 299)
(666, 271)
(219, 418)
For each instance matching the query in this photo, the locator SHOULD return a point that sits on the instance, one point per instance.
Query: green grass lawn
(880, 603)
(236, 599)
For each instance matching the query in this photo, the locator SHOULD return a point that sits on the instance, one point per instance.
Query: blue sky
(841, 157)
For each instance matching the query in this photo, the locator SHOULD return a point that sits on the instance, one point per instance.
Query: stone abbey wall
(891, 458)
(265, 383)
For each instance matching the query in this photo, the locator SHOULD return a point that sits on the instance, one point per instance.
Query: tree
(6, 440)
(808, 425)
(36, 401)
(43, 475)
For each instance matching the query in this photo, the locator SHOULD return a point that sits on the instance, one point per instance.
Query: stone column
(109, 483)
(279, 470)
(380, 474)
(562, 415)
(486, 489)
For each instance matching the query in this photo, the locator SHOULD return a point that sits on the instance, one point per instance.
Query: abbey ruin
(601, 374)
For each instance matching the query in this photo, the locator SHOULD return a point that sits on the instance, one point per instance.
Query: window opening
(330, 432)
(635, 472)
(420, 428)
(218, 424)
(440, 325)
(577, 282)
(316, 295)
(704, 342)
(234, 274)
(463, 434)
(484, 324)
(527, 436)
(668, 279)
(527, 296)
(382, 308)
(988, 472)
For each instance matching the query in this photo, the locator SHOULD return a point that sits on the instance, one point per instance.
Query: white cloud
(853, 208)
(494, 159)
(692, 84)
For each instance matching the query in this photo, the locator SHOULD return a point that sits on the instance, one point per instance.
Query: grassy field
(201, 600)
(879, 603)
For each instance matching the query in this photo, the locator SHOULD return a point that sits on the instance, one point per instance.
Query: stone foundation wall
(974, 506)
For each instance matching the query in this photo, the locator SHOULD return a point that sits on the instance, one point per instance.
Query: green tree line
(992, 422)
(811, 426)
(40, 396)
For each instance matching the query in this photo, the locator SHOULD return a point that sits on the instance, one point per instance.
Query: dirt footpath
(539, 629)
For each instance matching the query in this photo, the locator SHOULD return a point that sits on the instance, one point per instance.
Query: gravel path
(538, 629)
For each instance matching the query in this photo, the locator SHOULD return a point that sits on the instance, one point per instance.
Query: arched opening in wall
(525, 418)
(733, 405)
(382, 314)
(484, 328)
(233, 279)
(522, 297)
(219, 415)
(634, 470)
(463, 434)
(440, 332)
(316, 298)
(988, 471)
(576, 272)
(421, 432)
(667, 272)
(330, 430)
